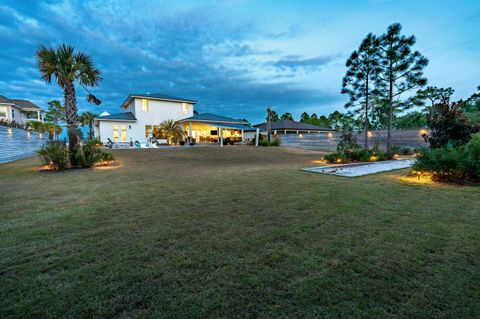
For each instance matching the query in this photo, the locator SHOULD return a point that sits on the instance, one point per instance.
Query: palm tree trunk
(72, 119)
(90, 130)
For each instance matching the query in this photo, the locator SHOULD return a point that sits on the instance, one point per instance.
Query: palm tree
(36, 126)
(87, 119)
(172, 130)
(52, 129)
(68, 67)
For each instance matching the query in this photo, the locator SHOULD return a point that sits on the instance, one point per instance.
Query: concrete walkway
(353, 170)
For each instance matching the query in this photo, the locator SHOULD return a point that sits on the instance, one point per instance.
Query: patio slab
(354, 170)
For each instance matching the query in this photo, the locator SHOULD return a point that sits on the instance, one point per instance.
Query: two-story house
(144, 112)
(20, 111)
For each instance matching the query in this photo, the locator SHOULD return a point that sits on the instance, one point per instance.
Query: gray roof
(208, 117)
(232, 126)
(126, 117)
(4, 99)
(25, 104)
(292, 125)
(157, 96)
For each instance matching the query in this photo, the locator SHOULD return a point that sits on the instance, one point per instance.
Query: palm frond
(93, 99)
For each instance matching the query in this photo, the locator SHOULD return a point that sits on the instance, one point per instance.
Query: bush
(357, 155)
(450, 162)
(55, 155)
(90, 154)
(274, 142)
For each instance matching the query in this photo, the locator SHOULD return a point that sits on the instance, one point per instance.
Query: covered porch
(210, 128)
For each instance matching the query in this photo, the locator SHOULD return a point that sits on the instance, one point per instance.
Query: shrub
(90, 154)
(55, 155)
(107, 158)
(450, 162)
(357, 155)
(275, 142)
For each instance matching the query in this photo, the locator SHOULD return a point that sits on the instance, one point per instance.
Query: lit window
(144, 105)
(124, 133)
(184, 108)
(115, 133)
(3, 112)
(148, 130)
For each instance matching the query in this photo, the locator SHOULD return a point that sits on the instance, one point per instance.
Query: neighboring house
(145, 112)
(20, 111)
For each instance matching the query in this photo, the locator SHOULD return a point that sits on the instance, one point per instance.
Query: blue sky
(234, 57)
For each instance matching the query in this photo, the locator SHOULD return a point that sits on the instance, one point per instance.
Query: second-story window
(184, 108)
(144, 105)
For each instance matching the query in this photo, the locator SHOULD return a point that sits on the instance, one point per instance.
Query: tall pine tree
(401, 71)
(363, 67)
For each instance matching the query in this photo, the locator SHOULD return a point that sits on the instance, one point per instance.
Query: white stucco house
(20, 111)
(144, 112)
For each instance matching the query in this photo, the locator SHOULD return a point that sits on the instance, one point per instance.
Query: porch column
(38, 116)
(221, 137)
(190, 132)
(243, 139)
(285, 132)
(257, 135)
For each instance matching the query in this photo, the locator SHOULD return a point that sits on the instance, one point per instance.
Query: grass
(236, 232)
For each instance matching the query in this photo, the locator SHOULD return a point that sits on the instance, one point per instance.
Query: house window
(13, 113)
(3, 112)
(115, 133)
(185, 108)
(144, 105)
(124, 133)
(148, 130)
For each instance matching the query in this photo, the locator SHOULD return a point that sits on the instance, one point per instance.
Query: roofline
(38, 108)
(213, 121)
(113, 120)
(130, 97)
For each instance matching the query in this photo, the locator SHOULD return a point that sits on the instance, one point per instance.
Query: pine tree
(401, 71)
(363, 67)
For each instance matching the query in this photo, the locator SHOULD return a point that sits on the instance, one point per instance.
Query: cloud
(185, 53)
(295, 62)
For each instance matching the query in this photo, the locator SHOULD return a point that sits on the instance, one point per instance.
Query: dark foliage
(449, 125)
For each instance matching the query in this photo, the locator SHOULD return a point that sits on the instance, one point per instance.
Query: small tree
(54, 115)
(287, 116)
(362, 70)
(401, 70)
(449, 125)
(172, 130)
(304, 118)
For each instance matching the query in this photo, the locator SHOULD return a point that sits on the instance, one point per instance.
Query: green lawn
(236, 232)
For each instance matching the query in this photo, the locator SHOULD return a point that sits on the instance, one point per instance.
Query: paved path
(353, 170)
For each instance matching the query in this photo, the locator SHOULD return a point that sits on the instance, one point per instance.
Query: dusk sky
(234, 57)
